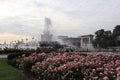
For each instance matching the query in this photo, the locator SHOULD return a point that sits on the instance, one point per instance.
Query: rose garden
(70, 66)
(53, 61)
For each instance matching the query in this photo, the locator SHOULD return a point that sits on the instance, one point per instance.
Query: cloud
(69, 17)
(12, 37)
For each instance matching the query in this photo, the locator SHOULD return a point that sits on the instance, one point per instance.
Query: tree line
(108, 38)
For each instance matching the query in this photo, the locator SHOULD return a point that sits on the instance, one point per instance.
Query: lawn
(7, 72)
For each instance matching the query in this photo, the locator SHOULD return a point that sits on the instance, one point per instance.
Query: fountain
(47, 34)
(47, 42)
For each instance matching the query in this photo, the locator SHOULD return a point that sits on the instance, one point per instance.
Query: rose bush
(72, 66)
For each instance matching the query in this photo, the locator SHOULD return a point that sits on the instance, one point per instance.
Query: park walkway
(3, 56)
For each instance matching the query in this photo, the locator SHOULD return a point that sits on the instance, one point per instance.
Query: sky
(21, 19)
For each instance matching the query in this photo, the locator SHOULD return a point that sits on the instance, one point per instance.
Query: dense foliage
(12, 57)
(13, 50)
(105, 39)
(54, 44)
(72, 66)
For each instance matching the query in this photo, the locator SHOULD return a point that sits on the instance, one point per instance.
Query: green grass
(7, 72)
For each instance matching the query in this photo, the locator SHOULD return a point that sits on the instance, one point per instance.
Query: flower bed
(72, 66)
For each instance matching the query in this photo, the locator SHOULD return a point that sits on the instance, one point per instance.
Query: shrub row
(12, 57)
(72, 66)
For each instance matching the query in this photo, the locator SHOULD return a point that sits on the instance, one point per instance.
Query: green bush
(14, 56)
(28, 65)
(13, 62)
(10, 50)
(46, 50)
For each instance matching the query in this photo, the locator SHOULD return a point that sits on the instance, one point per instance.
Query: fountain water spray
(47, 34)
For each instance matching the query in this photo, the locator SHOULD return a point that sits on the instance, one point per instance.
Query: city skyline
(21, 19)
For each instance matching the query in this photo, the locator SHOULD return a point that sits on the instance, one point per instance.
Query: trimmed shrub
(14, 56)
(46, 50)
(72, 66)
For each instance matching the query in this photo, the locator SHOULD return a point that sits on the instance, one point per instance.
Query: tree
(103, 39)
(116, 35)
(116, 31)
(98, 38)
(109, 40)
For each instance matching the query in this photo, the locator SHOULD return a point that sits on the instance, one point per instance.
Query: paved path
(3, 56)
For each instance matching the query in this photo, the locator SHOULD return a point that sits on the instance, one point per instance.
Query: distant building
(28, 45)
(62, 37)
(74, 42)
(86, 42)
(83, 42)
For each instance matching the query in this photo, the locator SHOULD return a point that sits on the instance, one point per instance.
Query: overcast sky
(25, 18)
